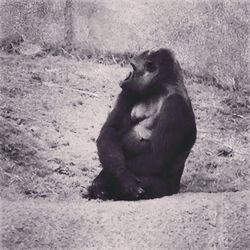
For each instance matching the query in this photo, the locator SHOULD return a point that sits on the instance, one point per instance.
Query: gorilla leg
(169, 184)
(173, 176)
(103, 187)
(154, 187)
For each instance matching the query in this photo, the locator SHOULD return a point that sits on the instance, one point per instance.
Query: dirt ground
(51, 111)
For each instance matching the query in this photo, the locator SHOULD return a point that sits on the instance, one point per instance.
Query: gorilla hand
(130, 187)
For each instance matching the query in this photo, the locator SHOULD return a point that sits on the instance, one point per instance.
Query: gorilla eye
(150, 67)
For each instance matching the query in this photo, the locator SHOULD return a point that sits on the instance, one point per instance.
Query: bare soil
(49, 124)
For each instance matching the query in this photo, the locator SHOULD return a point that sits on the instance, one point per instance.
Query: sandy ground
(184, 221)
(48, 158)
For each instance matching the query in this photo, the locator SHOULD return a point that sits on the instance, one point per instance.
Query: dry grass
(210, 37)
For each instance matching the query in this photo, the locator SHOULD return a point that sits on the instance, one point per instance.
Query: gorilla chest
(144, 116)
(143, 120)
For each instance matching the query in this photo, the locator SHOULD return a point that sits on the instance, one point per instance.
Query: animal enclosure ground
(48, 127)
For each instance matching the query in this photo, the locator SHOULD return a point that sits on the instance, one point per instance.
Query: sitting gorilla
(146, 139)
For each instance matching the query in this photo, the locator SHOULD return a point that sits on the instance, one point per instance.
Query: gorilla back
(146, 139)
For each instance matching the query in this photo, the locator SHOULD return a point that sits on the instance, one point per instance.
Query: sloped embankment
(184, 221)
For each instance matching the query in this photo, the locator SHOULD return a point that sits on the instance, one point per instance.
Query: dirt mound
(183, 221)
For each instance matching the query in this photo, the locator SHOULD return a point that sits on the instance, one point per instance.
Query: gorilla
(146, 139)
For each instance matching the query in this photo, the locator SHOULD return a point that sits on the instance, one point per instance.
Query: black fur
(152, 168)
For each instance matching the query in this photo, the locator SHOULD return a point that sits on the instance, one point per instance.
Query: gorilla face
(150, 72)
(141, 78)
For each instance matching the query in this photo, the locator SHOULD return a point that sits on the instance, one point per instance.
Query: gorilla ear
(150, 66)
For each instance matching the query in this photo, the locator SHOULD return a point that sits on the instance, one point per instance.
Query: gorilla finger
(139, 191)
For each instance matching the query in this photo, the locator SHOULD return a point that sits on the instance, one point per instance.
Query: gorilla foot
(96, 192)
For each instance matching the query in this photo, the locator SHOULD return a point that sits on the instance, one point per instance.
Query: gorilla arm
(110, 148)
(108, 143)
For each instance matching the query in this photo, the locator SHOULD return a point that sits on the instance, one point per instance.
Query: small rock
(20, 121)
(225, 152)
(94, 158)
(33, 129)
(65, 143)
(80, 102)
(84, 169)
(36, 77)
(53, 144)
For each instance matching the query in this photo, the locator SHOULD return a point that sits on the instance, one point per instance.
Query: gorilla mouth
(129, 75)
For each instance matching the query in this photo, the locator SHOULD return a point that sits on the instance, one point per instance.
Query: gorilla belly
(136, 141)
